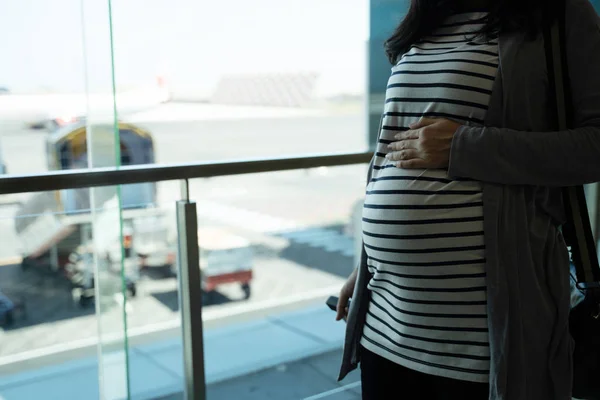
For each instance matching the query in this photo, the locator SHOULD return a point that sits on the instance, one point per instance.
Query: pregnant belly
(426, 220)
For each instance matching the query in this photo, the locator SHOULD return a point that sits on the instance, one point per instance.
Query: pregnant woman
(463, 287)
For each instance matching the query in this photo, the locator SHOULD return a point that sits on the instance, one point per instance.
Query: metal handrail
(85, 178)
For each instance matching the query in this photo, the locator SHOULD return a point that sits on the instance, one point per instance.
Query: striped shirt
(422, 231)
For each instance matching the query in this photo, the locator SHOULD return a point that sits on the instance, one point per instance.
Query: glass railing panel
(273, 247)
(59, 332)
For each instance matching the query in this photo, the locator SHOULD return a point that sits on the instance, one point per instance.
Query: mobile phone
(332, 302)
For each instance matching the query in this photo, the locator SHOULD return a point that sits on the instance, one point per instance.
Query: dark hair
(504, 16)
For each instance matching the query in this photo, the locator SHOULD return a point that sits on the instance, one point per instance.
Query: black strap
(577, 231)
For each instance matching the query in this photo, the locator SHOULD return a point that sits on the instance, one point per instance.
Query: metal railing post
(190, 298)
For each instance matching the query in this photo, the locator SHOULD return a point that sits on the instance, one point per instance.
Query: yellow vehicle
(52, 226)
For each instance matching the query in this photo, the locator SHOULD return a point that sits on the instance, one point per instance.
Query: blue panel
(385, 15)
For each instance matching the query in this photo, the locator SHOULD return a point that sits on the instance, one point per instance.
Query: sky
(191, 42)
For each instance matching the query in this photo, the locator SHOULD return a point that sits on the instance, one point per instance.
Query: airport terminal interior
(182, 190)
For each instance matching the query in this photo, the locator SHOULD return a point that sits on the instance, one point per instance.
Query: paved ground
(53, 317)
(191, 133)
(275, 341)
(309, 379)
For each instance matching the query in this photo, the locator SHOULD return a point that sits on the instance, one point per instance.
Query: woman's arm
(560, 158)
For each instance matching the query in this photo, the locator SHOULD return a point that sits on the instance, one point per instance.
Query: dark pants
(385, 380)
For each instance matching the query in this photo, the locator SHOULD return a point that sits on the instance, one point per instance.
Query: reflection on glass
(48, 319)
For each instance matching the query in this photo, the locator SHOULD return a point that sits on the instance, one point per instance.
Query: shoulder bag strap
(577, 231)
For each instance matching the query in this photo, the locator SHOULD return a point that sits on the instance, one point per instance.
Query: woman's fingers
(404, 144)
(423, 122)
(342, 306)
(408, 135)
(400, 155)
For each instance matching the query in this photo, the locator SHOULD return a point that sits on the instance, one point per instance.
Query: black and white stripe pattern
(422, 231)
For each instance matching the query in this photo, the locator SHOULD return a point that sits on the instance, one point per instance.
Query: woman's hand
(345, 294)
(425, 145)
